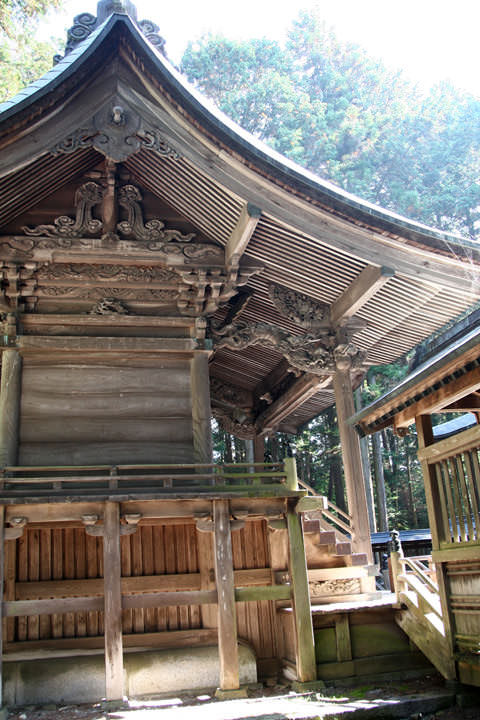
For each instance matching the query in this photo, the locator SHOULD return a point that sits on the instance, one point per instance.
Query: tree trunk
(379, 482)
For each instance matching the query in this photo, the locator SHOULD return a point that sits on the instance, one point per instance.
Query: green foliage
(23, 59)
(17, 15)
(341, 114)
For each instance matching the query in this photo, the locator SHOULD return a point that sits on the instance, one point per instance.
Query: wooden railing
(332, 515)
(83, 479)
(453, 481)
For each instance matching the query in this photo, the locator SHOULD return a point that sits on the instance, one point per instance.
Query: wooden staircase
(420, 611)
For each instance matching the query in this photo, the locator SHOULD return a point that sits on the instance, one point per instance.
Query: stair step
(311, 526)
(327, 537)
(343, 548)
(356, 559)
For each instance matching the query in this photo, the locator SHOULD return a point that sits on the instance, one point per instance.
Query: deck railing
(453, 480)
(97, 479)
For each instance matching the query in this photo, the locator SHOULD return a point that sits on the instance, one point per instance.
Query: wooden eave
(309, 235)
(436, 385)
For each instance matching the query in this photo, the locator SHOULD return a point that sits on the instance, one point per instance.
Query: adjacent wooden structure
(160, 266)
(446, 624)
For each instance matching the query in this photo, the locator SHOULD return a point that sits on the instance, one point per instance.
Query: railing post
(396, 565)
(291, 473)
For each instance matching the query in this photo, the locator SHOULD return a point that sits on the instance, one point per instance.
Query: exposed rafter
(243, 231)
(299, 392)
(359, 292)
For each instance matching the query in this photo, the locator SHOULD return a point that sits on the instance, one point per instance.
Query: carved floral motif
(86, 197)
(111, 273)
(109, 306)
(129, 197)
(300, 308)
(347, 586)
(243, 428)
(229, 394)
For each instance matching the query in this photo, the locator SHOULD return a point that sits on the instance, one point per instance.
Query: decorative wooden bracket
(204, 522)
(16, 529)
(91, 527)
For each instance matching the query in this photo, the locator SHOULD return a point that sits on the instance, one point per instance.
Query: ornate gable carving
(301, 309)
(86, 197)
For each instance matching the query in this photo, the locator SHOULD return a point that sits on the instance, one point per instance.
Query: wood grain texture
(113, 603)
(227, 621)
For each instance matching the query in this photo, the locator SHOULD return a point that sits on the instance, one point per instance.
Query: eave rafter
(243, 231)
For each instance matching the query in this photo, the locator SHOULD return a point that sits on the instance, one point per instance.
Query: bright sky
(432, 40)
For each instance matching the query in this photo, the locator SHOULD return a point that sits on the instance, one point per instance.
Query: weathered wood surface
(103, 414)
(227, 620)
(352, 462)
(113, 603)
(10, 394)
(305, 650)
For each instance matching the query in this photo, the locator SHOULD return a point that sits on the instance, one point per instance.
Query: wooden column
(113, 603)
(10, 406)
(201, 411)
(259, 449)
(227, 619)
(352, 459)
(305, 649)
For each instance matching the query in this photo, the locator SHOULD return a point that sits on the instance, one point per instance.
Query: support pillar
(352, 458)
(305, 648)
(113, 603)
(259, 448)
(10, 390)
(201, 411)
(227, 618)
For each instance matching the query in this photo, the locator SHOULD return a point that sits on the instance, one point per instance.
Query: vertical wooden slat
(227, 621)
(22, 550)
(446, 534)
(45, 574)
(33, 623)
(476, 477)
(137, 569)
(68, 574)
(159, 566)
(238, 555)
(201, 411)
(10, 577)
(57, 574)
(342, 634)
(170, 567)
(92, 572)
(181, 553)
(192, 566)
(251, 608)
(80, 574)
(148, 569)
(113, 603)
(305, 650)
(458, 520)
(453, 532)
(465, 496)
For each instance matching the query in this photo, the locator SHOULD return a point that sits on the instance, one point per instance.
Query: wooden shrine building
(160, 266)
(442, 614)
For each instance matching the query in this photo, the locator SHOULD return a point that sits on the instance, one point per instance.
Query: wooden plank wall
(106, 413)
(154, 550)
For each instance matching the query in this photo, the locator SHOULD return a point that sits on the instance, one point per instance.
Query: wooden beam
(304, 646)
(299, 392)
(359, 292)
(113, 603)
(439, 399)
(227, 618)
(242, 232)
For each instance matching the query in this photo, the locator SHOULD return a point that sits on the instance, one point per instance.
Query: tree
(22, 58)
(341, 114)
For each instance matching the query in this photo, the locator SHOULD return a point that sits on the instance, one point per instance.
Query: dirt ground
(276, 702)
